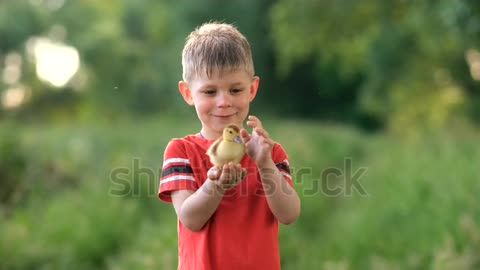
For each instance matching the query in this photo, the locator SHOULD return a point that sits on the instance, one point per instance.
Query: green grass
(63, 211)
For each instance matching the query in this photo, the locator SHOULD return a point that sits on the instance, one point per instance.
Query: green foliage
(75, 230)
(130, 51)
(71, 218)
(407, 54)
(12, 166)
(402, 65)
(144, 253)
(420, 210)
(18, 21)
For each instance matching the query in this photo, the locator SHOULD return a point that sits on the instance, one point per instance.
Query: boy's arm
(281, 196)
(194, 209)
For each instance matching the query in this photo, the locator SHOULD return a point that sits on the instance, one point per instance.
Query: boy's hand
(230, 176)
(259, 145)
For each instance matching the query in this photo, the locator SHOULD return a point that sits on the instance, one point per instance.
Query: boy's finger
(225, 171)
(245, 136)
(252, 121)
(238, 172)
(255, 120)
(213, 173)
(244, 173)
(261, 132)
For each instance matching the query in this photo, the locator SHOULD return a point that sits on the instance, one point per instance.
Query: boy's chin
(219, 127)
(226, 123)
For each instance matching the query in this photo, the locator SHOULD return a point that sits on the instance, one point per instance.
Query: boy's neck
(209, 137)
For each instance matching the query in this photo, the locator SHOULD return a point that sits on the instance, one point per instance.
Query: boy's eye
(209, 92)
(236, 91)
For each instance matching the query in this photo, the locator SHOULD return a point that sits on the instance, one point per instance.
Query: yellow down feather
(228, 148)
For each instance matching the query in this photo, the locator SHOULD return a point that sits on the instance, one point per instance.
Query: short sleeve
(280, 158)
(177, 173)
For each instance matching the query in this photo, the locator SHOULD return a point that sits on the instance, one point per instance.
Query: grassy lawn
(83, 196)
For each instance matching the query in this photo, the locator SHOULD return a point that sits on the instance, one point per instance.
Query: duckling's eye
(230, 132)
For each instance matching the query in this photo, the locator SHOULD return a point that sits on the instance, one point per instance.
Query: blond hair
(216, 47)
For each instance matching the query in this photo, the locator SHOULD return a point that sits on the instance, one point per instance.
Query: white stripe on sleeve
(175, 160)
(287, 175)
(177, 178)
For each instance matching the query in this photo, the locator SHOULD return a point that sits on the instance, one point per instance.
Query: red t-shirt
(243, 232)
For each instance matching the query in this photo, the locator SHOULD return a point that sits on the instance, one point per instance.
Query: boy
(224, 221)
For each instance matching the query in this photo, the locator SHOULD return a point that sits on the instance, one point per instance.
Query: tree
(408, 54)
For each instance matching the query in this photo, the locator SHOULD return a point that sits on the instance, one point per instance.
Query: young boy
(224, 221)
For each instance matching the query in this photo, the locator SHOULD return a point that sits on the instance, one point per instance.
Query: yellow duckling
(228, 148)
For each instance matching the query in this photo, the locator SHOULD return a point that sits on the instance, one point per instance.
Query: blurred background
(377, 103)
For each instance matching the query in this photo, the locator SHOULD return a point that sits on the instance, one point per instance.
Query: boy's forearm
(281, 197)
(197, 209)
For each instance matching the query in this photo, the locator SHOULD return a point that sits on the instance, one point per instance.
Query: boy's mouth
(224, 116)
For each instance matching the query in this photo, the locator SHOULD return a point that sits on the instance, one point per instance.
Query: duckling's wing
(213, 147)
(212, 151)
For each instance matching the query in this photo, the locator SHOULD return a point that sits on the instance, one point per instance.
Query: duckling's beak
(237, 139)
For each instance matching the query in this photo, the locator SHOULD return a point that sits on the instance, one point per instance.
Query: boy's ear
(254, 87)
(186, 92)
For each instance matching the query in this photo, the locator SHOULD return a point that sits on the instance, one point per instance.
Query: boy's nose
(224, 100)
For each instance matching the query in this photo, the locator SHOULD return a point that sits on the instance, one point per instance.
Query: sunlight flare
(473, 58)
(13, 97)
(56, 63)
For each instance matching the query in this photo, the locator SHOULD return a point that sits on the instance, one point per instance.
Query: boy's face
(220, 100)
